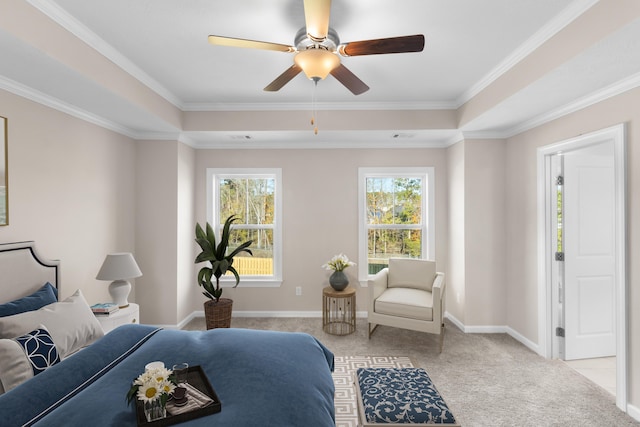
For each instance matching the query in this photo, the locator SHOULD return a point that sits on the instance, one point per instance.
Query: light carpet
(343, 374)
(486, 379)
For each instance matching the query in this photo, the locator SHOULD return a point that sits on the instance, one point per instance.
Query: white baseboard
(523, 340)
(238, 313)
(189, 318)
(485, 329)
(493, 329)
(474, 329)
(633, 411)
(454, 320)
(241, 313)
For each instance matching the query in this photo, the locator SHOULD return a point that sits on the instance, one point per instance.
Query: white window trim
(212, 210)
(428, 209)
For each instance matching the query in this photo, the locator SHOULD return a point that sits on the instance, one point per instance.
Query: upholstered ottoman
(399, 396)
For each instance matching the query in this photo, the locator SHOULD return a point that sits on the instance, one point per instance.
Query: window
(395, 216)
(254, 196)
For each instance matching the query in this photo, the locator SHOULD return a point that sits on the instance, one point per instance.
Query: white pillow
(411, 273)
(71, 323)
(24, 357)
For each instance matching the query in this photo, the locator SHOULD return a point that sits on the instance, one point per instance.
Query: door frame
(616, 134)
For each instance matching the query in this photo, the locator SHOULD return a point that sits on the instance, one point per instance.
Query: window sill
(248, 283)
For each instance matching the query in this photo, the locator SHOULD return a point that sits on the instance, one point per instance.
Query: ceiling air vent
(401, 135)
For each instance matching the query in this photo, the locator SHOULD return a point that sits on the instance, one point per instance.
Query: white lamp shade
(119, 267)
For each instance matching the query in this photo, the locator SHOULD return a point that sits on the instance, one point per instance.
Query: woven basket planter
(217, 314)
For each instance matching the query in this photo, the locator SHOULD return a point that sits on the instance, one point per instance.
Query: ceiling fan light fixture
(316, 63)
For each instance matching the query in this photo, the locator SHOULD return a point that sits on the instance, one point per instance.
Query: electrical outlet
(298, 291)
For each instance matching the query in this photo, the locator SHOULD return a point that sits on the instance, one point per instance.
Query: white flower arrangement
(155, 384)
(338, 263)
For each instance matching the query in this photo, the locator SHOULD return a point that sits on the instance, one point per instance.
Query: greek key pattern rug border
(345, 397)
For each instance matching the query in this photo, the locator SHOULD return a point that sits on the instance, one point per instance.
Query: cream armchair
(409, 294)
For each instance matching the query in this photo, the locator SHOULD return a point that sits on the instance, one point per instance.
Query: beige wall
(71, 191)
(456, 268)
(320, 215)
(156, 231)
(521, 271)
(484, 233)
(476, 296)
(185, 232)
(333, 120)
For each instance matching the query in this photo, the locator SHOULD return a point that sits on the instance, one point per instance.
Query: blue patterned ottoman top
(403, 395)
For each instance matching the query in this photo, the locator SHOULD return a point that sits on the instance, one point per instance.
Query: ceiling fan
(317, 49)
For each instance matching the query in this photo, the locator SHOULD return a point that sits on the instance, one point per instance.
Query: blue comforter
(262, 378)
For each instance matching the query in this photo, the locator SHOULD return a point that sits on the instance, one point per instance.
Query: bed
(265, 378)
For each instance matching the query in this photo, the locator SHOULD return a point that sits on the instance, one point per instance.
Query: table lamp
(119, 267)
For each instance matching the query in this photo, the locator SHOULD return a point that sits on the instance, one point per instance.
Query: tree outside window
(252, 195)
(395, 216)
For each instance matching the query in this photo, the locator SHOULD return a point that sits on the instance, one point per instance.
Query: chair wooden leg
(441, 337)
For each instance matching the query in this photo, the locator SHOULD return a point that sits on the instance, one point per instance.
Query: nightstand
(121, 317)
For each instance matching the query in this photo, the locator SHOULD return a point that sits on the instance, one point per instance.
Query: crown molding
(607, 92)
(75, 27)
(593, 98)
(458, 137)
(568, 15)
(490, 134)
(584, 102)
(49, 101)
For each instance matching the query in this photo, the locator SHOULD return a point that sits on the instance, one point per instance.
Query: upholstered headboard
(23, 271)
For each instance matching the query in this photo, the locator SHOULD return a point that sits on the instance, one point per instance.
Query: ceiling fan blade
(283, 78)
(316, 16)
(349, 80)
(252, 44)
(379, 46)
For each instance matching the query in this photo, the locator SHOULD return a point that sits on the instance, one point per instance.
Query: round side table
(339, 311)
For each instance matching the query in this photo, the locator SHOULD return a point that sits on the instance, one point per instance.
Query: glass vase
(154, 410)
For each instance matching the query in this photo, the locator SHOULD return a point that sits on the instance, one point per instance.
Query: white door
(589, 252)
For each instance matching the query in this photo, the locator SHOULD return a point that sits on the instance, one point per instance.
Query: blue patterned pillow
(39, 349)
(24, 357)
(402, 396)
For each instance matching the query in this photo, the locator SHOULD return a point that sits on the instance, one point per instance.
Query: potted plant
(217, 311)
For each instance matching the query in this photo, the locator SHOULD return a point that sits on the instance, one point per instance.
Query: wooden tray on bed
(196, 378)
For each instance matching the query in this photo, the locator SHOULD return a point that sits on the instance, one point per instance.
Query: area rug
(345, 397)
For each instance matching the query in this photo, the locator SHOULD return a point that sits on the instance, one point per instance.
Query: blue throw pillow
(43, 296)
(39, 348)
